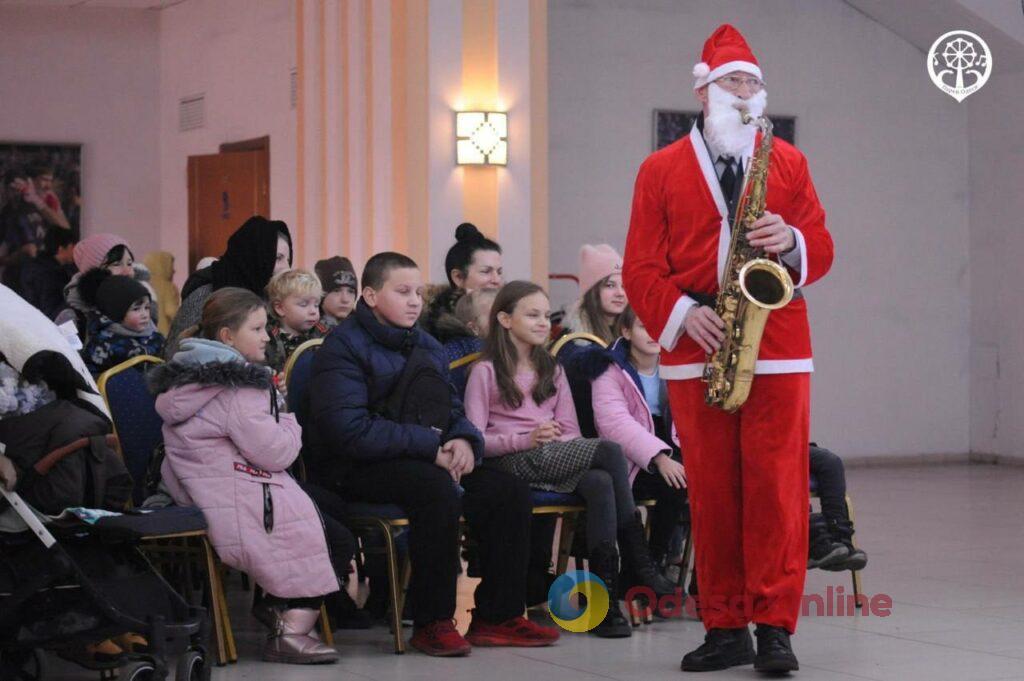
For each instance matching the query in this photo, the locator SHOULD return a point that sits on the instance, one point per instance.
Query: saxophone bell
(766, 283)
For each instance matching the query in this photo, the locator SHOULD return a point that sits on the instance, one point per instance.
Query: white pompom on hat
(725, 51)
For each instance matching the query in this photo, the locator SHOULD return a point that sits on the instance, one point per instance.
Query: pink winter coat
(224, 447)
(621, 415)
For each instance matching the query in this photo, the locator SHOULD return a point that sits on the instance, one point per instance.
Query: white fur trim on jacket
(682, 372)
(674, 326)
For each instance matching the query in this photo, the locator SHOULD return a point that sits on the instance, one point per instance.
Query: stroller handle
(26, 513)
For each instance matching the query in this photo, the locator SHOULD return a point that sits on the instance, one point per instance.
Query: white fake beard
(724, 129)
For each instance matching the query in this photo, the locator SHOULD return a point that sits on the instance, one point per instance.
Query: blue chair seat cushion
(545, 498)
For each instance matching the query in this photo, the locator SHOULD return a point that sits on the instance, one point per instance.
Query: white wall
(888, 153)
(239, 54)
(89, 76)
(997, 244)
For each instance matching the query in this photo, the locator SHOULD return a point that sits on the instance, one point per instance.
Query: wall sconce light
(481, 138)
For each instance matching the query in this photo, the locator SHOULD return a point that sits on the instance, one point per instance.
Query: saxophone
(752, 286)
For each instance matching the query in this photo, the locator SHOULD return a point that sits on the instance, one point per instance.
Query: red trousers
(747, 475)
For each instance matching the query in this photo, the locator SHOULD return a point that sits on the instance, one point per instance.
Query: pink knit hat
(596, 263)
(91, 251)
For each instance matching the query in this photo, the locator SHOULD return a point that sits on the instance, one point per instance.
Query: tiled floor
(946, 543)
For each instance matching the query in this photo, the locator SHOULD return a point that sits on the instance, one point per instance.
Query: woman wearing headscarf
(257, 251)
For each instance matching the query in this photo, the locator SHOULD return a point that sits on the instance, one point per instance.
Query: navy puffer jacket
(358, 366)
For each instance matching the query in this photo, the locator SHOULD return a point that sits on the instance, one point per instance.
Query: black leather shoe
(774, 653)
(723, 648)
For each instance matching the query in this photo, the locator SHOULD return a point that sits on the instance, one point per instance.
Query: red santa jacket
(679, 241)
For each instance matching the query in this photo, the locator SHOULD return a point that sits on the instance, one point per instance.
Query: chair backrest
(568, 342)
(565, 350)
(298, 371)
(458, 372)
(133, 411)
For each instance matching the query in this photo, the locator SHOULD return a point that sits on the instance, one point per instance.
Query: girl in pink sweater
(519, 398)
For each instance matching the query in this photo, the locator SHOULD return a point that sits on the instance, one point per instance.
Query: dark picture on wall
(40, 191)
(671, 125)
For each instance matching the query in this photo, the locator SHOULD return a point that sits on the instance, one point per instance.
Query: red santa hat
(724, 52)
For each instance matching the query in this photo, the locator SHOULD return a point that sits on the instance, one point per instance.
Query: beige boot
(294, 640)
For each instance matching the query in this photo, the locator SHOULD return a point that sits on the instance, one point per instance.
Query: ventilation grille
(191, 112)
(293, 87)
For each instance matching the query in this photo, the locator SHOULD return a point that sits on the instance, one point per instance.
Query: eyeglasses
(734, 83)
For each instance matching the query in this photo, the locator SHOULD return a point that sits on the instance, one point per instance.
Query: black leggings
(606, 490)
(827, 468)
(666, 514)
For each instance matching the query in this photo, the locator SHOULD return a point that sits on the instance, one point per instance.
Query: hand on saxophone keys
(771, 233)
(705, 327)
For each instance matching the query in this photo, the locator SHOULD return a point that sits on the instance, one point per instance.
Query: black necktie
(728, 179)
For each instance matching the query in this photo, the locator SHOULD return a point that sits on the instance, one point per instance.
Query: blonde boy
(294, 297)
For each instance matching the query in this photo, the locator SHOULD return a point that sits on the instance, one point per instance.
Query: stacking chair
(363, 519)
(138, 429)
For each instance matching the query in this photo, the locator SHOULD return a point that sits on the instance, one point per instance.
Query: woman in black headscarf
(257, 251)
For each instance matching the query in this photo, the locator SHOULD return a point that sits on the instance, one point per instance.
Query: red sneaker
(440, 639)
(518, 631)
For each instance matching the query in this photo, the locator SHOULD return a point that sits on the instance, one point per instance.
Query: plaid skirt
(554, 466)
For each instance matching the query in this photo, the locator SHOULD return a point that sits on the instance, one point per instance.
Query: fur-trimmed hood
(592, 361)
(198, 373)
(439, 318)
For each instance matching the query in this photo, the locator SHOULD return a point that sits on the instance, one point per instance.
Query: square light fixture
(481, 138)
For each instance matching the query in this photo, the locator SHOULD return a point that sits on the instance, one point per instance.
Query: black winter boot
(774, 651)
(722, 648)
(637, 562)
(604, 562)
(823, 550)
(841, 530)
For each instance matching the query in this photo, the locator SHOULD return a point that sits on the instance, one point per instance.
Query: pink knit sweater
(508, 430)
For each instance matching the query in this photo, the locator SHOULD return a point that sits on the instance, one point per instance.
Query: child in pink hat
(107, 251)
(602, 298)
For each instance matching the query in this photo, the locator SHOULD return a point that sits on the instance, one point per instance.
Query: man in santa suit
(747, 471)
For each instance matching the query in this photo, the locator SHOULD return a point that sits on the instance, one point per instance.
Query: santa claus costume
(747, 471)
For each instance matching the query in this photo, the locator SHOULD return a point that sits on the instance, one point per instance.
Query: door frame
(261, 144)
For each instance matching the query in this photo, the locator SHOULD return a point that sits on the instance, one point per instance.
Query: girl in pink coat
(227, 452)
(631, 408)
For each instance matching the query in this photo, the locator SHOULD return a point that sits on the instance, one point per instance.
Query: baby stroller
(83, 583)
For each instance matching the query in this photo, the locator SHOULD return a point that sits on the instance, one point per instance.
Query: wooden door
(224, 190)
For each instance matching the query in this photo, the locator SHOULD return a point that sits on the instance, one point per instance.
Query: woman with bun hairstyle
(472, 264)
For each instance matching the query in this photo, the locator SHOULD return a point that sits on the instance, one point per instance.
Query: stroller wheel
(140, 670)
(192, 666)
(23, 665)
